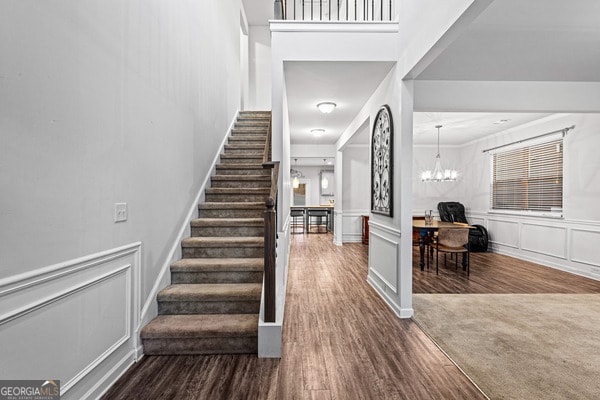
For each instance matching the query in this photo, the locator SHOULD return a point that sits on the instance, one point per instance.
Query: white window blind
(528, 178)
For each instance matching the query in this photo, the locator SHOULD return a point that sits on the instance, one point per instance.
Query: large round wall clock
(381, 162)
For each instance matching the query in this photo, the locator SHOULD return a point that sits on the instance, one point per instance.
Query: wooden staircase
(213, 302)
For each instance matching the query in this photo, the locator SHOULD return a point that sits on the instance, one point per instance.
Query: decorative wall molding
(383, 228)
(580, 249)
(508, 225)
(559, 243)
(384, 262)
(71, 302)
(544, 239)
(352, 225)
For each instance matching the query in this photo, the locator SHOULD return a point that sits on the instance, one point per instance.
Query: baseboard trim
(105, 382)
(399, 311)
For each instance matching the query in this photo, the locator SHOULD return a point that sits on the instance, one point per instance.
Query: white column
(338, 208)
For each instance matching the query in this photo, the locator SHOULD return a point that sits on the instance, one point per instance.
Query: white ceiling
(348, 84)
(258, 12)
(459, 128)
(534, 40)
(526, 40)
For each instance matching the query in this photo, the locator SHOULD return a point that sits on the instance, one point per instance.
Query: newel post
(270, 256)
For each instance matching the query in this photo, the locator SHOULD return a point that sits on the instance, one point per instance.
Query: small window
(528, 178)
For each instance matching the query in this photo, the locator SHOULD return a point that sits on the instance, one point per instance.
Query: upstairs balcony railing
(334, 10)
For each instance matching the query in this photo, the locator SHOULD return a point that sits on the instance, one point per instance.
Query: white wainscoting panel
(544, 239)
(477, 221)
(585, 246)
(383, 259)
(76, 321)
(352, 226)
(505, 233)
(568, 245)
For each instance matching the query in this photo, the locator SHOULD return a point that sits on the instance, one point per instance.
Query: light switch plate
(120, 212)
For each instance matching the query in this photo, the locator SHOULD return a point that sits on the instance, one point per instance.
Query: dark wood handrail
(267, 151)
(270, 234)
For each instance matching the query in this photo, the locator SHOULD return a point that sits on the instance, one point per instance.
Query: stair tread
(241, 178)
(240, 136)
(244, 166)
(248, 155)
(249, 205)
(217, 241)
(217, 264)
(239, 146)
(201, 325)
(241, 222)
(211, 292)
(259, 190)
(240, 166)
(226, 283)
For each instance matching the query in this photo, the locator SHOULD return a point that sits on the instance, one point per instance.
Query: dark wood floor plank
(341, 341)
(496, 273)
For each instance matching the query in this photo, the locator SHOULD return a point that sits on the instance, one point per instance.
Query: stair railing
(270, 234)
(334, 10)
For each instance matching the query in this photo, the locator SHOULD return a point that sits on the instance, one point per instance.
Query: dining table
(425, 230)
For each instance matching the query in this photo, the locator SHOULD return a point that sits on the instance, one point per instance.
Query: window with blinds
(528, 178)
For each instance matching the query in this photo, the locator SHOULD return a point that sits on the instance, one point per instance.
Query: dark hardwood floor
(341, 341)
(496, 273)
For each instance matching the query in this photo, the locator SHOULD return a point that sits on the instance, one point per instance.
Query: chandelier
(296, 175)
(439, 174)
(324, 180)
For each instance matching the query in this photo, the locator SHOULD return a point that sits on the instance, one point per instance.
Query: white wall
(566, 243)
(390, 252)
(428, 194)
(312, 177)
(104, 102)
(355, 191)
(260, 67)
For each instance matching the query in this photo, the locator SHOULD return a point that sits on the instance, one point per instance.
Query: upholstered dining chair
(454, 241)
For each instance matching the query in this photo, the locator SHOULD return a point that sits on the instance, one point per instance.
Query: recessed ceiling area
(459, 128)
(348, 84)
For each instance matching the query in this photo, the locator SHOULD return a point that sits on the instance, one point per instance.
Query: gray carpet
(519, 346)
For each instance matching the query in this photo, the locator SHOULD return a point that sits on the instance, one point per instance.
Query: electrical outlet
(120, 212)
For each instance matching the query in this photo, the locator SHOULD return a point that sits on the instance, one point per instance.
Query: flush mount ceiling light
(326, 107)
(439, 174)
(317, 132)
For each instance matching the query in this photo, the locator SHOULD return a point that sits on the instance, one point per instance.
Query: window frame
(557, 138)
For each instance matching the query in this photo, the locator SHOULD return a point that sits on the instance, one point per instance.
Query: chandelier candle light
(439, 174)
(295, 175)
(324, 180)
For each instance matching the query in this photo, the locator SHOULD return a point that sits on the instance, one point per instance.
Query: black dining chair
(297, 216)
(319, 218)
